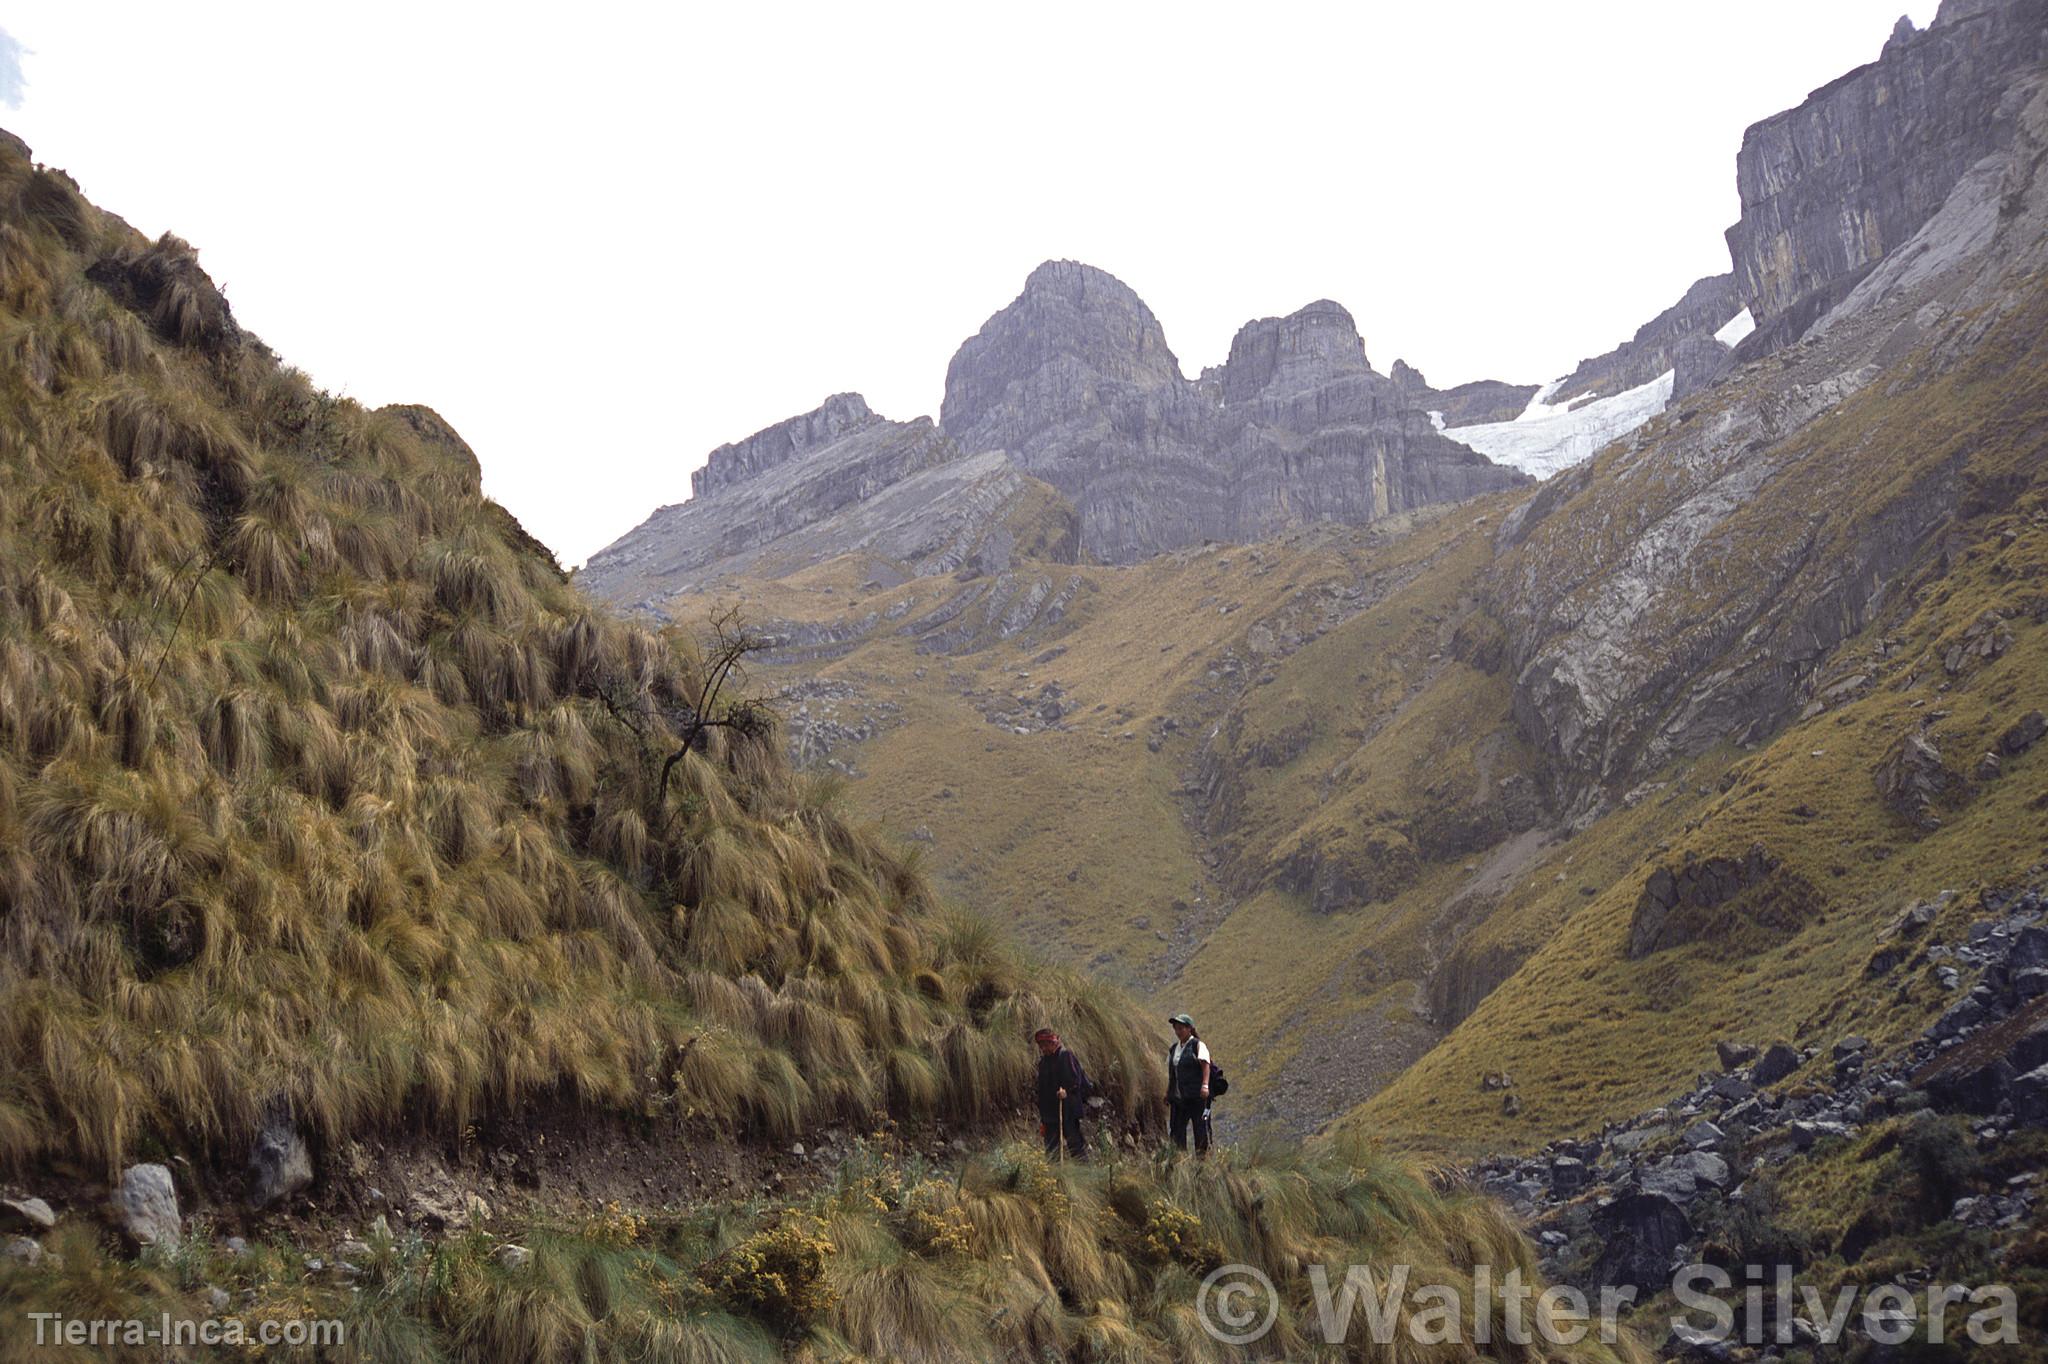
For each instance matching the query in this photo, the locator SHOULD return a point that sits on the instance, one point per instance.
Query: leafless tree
(714, 704)
(724, 658)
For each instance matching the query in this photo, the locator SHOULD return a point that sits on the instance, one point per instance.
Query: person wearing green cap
(1187, 1085)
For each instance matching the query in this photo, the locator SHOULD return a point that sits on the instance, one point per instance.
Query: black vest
(1187, 1071)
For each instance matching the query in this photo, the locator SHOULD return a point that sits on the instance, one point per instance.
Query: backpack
(1081, 1086)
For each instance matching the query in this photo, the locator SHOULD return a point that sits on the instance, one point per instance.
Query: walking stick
(1061, 1135)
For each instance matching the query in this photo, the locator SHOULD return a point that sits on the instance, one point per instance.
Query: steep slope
(1832, 186)
(343, 844)
(313, 763)
(1333, 788)
(1783, 571)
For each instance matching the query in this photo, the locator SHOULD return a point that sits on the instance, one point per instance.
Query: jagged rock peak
(1309, 346)
(1408, 377)
(1829, 187)
(1073, 329)
(744, 459)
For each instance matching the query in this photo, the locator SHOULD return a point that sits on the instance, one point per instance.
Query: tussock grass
(320, 790)
(313, 792)
(1003, 1257)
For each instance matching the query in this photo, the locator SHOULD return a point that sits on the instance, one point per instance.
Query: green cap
(1182, 1018)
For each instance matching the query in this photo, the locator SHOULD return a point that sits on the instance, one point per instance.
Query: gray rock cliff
(1075, 381)
(1829, 187)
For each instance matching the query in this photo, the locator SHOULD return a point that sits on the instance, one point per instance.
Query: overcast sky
(603, 239)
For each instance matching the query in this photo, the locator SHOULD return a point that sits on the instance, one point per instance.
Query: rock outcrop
(279, 1164)
(1828, 188)
(830, 482)
(1702, 310)
(1675, 636)
(1074, 380)
(1482, 400)
(1067, 430)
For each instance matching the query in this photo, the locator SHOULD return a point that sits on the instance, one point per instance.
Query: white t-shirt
(1174, 1054)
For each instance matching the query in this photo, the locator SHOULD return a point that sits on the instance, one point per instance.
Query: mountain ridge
(1369, 741)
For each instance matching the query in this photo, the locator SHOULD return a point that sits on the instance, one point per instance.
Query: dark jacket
(1056, 1072)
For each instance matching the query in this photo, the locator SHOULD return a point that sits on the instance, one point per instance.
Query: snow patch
(1735, 328)
(1551, 436)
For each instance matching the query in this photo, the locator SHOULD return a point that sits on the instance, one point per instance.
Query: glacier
(1548, 436)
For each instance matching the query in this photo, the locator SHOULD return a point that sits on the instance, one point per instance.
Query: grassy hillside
(322, 792)
(1005, 1257)
(1956, 656)
(324, 799)
(1235, 723)
(1287, 788)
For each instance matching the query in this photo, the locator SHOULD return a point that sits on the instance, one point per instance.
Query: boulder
(1640, 1234)
(32, 1215)
(1914, 783)
(1733, 1089)
(1691, 1342)
(145, 1206)
(1977, 1087)
(1704, 1134)
(1672, 1179)
(1734, 1054)
(1912, 921)
(1706, 1168)
(2030, 1098)
(1777, 1062)
(1672, 908)
(2029, 948)
(279, 1164)
(2023, 733)
(1804, 1133)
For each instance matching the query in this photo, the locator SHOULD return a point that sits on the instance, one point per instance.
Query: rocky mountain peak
(1891, 139)
(1407, 377)
(1310, 346)
(838, 416)
(1074, 333)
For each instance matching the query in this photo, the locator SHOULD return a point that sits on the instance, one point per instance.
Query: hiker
(1187, 1085)
(1062, 1089)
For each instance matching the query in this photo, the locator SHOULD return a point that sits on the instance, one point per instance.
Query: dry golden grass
(315, 792)
(1589, 1034)
(1004, 1257)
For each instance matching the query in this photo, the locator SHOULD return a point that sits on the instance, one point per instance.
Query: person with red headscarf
(1062, 1089)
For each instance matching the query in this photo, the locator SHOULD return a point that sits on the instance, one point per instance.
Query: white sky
(602, 239)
